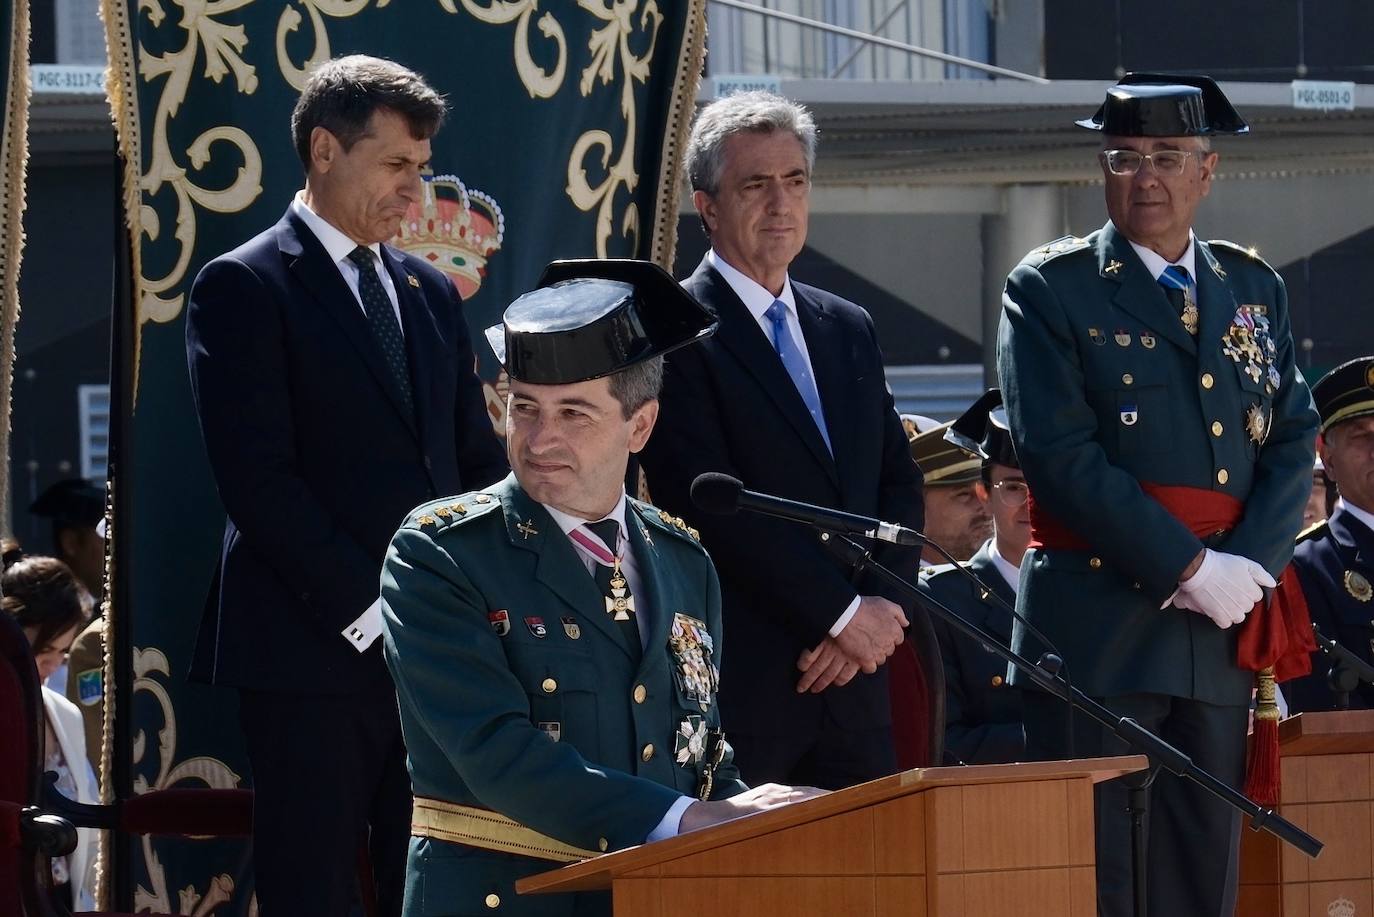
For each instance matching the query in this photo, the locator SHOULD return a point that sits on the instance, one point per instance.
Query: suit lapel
(651, 603)
(1138, 292)
(741, 335)
(996, 621)
(1215, 302)
(834, 379)
(420, 335)
(558, 568)
(309, 263)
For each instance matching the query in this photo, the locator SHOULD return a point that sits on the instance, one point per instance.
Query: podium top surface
(1341, 732)
(597, 872)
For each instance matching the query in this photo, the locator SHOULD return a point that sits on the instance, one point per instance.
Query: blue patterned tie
(795, 364)
(1177, 284)
(381, 316)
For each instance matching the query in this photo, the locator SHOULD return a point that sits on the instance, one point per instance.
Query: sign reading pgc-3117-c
(1325, 96)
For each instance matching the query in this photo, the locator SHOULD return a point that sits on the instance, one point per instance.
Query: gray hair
(759, 112)
(342, 94)
(637, 385)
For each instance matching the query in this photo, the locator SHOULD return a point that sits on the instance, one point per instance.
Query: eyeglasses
(1162, 162)
(1012, 493)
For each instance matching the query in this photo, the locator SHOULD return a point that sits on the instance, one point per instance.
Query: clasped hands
(1224, 587)
(864, 643)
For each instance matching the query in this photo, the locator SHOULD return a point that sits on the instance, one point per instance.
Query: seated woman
(51, 605)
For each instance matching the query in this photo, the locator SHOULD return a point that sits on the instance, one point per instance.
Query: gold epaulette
(1314, 530)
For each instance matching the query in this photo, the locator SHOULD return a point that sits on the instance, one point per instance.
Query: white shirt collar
(567, 523)
(1363, 515)
(1010, 573)
(755, 297)
(1156, 264)
(336, 244)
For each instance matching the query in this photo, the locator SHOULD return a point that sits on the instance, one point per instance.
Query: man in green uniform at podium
(1166, 437)
(555, 644)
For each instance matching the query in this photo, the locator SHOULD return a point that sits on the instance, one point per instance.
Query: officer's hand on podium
(1224, 588)
(824, 666)
(873, 633)
(759, 799)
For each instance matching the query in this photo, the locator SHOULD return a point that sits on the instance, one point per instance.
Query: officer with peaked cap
(956, 519)
(982, 710)
(1166, 436)
(1335, 558)
(75, 506)
(556, 644)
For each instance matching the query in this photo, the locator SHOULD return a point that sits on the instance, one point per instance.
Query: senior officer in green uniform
(1335, 558)
(555, 644)
(982, 710)
(1153, 399)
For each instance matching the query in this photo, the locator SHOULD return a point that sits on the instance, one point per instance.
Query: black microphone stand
(1347, 669)
(1045, 674)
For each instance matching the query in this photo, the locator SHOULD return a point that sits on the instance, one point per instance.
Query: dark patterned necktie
(611, 580)
(381, 316)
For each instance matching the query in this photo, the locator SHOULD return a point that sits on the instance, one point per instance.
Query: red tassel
(1262, 767)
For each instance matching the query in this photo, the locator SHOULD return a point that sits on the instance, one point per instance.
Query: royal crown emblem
(455, 229)
(1341, 907)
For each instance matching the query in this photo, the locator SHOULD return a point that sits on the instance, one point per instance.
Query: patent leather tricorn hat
(591, 318)
(1166, 105)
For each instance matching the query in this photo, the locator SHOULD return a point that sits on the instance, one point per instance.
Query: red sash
(1277, 633)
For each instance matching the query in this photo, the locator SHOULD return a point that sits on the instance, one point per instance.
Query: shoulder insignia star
(426, 519)
(459, 508)
(443, 512)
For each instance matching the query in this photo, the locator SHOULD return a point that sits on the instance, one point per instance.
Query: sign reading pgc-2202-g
(1323, 96)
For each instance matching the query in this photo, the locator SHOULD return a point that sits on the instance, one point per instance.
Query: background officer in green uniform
(555, 644)
(956, 519)
(982, 710)
(1335, 559)
(1167, 440)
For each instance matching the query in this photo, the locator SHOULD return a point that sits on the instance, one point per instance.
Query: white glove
(1224, 588)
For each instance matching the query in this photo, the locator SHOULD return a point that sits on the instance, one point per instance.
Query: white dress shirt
(1155, 263)
(1363, 515)
(1010, 572)
(672, 820)
(367, 627)
(758, 300)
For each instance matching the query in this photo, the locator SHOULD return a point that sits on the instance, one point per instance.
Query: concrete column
(1031, 216)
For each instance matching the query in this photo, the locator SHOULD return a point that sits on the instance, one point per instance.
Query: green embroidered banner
(567, 122)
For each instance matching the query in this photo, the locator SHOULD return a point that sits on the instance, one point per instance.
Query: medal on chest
(693, 669)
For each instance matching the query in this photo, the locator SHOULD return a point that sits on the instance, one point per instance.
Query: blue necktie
(382, 319)
(795, 364)
(1176, 284)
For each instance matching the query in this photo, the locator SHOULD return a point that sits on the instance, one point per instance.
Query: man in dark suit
(334, 381)
(1335, 558)
(790, 397)
(1166, 435)
(982, 710)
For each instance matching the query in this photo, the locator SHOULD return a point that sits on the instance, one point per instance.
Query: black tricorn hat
(1166, 105)
(983, 431)
(590, 318)
(73, 502)
(1346, 392)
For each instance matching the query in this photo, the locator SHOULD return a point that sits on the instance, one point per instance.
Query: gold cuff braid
(449, 821)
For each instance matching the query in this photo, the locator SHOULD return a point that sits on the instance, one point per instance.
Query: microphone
(722, 495)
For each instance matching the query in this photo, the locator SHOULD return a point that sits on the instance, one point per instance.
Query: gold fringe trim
(121, 87)
(459, 824)
(681, 109)
(14, 158)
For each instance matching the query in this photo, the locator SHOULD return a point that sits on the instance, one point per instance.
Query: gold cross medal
(1189, 314)
(619, 604)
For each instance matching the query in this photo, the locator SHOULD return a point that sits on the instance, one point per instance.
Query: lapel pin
(527, 529)
(413, 281)
(1113, 267)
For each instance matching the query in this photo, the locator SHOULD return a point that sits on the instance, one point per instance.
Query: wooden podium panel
(1012, 840)
(1328, 791)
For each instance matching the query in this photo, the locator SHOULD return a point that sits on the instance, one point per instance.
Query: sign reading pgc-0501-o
(1323, 96)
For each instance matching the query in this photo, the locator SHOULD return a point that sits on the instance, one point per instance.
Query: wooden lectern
(1012, 840)
(1328, 791)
